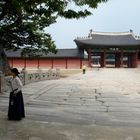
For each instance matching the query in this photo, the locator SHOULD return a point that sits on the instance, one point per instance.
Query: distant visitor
(84, 69)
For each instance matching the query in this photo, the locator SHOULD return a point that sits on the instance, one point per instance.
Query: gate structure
(123, 45)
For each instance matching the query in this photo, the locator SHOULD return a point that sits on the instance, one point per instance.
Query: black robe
(16, 106)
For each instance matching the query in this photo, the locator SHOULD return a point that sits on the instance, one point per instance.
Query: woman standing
(16, 104)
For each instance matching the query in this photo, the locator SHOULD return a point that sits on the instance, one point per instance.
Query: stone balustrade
(27, 78)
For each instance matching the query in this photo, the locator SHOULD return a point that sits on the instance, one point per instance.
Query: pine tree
(22, 23)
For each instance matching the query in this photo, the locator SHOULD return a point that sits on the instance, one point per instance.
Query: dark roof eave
(84, 45)
(62, 53)
(45, 57)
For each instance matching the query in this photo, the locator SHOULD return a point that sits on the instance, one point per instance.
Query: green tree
(22, 23)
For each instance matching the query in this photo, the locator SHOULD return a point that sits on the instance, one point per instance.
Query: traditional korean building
(123, 46)
(102, 49)
(64, 58)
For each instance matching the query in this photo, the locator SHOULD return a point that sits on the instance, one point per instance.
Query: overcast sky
(113, 16)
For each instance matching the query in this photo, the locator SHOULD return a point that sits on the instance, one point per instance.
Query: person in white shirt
(16, 103)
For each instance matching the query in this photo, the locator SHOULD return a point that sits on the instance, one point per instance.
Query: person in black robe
(16, 103)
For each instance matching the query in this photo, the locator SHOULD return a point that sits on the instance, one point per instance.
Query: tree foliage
(22, 22)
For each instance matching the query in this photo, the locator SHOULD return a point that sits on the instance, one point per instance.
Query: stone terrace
(108, 99)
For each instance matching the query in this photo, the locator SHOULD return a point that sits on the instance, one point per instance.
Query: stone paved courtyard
(103, 104)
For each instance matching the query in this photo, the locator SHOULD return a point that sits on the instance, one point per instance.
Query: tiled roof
(103, 39)
(61, 53)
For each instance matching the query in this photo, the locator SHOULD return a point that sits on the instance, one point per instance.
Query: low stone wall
(1, 82)
(27, 78)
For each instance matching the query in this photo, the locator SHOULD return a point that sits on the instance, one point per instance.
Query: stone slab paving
(105, 99)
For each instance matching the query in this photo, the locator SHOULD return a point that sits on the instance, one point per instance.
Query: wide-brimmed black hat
(15, 70)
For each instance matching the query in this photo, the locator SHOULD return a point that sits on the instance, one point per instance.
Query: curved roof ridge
(111, 33)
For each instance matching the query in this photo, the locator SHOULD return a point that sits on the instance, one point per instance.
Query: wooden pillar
(103, 58)
(121, 58)
(66, 63)
(89, 57)
(134, 60)
(81, 64)
(117, 60)
(52, 63)
(129, 61)
(38, 64)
